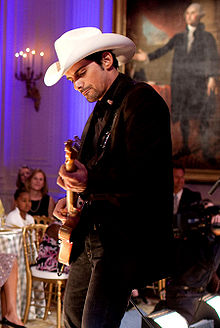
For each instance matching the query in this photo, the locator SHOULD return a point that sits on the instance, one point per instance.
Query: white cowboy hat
(76, 44)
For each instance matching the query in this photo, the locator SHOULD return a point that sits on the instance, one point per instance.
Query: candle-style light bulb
(16, 62)
(33, 55)
(21, 53)
(25, 62)
(41, 64)
(28, 49)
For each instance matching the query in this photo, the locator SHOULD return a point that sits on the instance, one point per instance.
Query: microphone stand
(146, 320)
(214, 187)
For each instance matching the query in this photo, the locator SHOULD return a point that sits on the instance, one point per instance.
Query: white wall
(30, 137)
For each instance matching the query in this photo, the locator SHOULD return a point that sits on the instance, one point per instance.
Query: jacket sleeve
(162, 50)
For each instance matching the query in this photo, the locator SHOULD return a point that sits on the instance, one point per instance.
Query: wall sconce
(25, 65)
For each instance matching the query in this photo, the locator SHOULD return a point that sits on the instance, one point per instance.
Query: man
(185, 201)
(118, 171)
(185, 197)
(193, 80)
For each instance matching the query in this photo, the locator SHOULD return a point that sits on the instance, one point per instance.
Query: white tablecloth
(11, 242)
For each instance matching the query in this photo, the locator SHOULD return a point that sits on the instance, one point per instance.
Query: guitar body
(72, 211)
(65, 245)
(64, 235)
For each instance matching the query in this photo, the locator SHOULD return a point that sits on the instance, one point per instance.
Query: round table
(11, 242)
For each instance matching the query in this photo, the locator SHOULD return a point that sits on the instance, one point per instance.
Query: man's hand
(60, 212)
(141, 56)
(215, 224)
(75, 181)
(211, 86)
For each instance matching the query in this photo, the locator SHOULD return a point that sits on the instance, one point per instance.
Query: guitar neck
(71, 198)
(71, 203)
(70, 156)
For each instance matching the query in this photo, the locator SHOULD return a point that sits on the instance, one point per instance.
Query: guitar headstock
(71, 149)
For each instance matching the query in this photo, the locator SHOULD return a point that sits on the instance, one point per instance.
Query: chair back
(52, 284)
(42, 219)
(32, 236)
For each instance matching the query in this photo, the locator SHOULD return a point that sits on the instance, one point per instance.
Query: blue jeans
(95, 297)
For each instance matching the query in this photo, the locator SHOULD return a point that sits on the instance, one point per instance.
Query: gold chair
(42, 219)
(159, 288)
(32, 235)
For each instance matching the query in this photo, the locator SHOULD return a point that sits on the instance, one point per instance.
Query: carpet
(132, 319)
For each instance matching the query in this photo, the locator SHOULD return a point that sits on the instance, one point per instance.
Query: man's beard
(92, 95)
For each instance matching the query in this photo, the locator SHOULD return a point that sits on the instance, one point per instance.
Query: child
(19, 217)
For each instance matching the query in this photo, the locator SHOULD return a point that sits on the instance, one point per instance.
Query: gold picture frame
(204, 172)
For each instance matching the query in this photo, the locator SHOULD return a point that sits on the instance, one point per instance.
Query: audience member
(19, 216)
(184, 199)
(8, 285)
(185, 196)
(23, 174)
(41, 202)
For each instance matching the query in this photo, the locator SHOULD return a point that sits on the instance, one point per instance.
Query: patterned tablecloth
(11, 242)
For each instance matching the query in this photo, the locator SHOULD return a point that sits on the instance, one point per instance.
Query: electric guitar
(64, 234)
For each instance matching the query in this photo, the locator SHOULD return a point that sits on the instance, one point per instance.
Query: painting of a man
(195, 66)
(194, 71)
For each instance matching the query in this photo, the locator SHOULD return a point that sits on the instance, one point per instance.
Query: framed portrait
(178, 53)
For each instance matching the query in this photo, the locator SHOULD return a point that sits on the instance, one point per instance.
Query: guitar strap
(84, 134)
(110, 126)
(104, 137)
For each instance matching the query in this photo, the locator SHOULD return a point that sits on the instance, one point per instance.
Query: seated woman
(41, 202)
(8, 285)
(23, 174)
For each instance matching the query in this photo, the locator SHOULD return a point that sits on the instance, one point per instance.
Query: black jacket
(188, 199)
(130, 173)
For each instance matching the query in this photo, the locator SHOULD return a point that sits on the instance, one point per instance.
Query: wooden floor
(50, 322)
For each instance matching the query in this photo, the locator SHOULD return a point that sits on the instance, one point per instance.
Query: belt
(113, 198)
(103, 197)
(109, 196)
